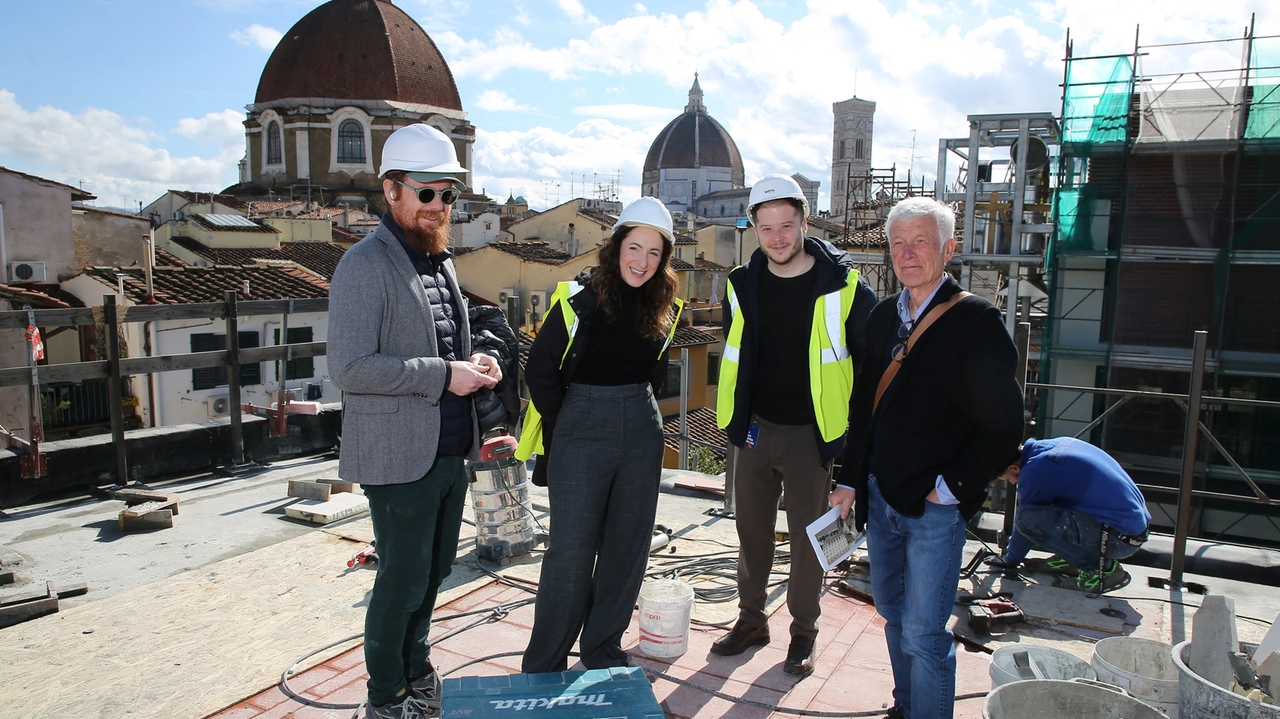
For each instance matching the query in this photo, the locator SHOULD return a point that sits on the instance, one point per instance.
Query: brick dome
(359, 50)
(694, 139)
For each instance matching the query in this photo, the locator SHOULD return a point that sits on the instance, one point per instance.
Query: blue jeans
(915, 567)
(1074, 536)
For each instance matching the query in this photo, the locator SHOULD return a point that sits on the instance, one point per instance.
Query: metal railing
(114, 369)
(1192, 404)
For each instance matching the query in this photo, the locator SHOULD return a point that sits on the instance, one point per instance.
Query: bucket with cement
(1199, 698)
(1142, 667)
(1056, 699)
(665, 608)
(1021, 662)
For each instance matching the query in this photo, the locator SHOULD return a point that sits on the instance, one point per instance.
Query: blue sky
(130, 97)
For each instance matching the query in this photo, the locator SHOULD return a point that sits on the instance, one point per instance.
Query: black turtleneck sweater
(616, 353)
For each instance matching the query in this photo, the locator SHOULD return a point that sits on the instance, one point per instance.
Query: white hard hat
(647, 212)
(776, 187)
(424, 153)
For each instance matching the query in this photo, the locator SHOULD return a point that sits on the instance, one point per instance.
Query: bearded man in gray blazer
(399, 347)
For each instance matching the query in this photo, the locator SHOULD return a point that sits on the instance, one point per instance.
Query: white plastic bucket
(1143, 667)
(1052, 663)
(665, 608)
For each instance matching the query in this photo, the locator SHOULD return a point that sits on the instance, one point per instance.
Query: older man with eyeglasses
(400, 349)
(936, 415)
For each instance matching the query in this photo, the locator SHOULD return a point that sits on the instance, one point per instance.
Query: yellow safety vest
(531, 427)
(830, 366)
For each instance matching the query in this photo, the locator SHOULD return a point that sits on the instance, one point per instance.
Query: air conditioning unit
(505, 294)
(219, 406)
(26, 272)
(538, 302)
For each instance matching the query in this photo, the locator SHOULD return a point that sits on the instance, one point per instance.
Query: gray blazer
(382, 355)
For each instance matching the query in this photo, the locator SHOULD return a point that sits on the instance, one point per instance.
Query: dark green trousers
(416, 528)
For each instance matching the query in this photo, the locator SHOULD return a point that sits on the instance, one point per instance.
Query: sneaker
(1052, 565)
(1113, 578)
(426, 689)
(407, 708)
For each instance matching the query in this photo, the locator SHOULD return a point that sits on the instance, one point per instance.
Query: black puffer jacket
(491, 335)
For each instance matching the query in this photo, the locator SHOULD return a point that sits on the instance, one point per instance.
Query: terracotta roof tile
(689, 337)
(702, 263)
(702, 427)
(204, 197)
(37, 299)
(320, 257)
(164, 258)
(184, 285)
(539, 252)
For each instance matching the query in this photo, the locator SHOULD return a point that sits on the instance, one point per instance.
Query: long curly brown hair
(656, 295)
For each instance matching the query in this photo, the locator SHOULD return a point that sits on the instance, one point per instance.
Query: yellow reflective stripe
(671, 335)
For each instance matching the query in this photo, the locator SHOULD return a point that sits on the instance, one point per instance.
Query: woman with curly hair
(592, 373)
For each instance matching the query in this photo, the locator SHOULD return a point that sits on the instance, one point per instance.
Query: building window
(713, 368)
(742, 207)
(842, 149)
(722, 210)
(672, 386)
(275, 155)
(302, 367)
(211, 377)
(857, 149)
(351, 142)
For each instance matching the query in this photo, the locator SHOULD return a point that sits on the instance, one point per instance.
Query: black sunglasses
(904, 334)
(427, 194)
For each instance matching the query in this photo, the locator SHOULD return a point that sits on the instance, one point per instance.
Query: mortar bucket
(1199, 698)
(665, 608)
(1142, 667)
(1055, 699)
(1048, 664)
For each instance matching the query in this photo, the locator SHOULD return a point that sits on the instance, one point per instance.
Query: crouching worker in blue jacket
(1076, 501)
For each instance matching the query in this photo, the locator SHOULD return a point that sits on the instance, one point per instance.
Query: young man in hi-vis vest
(794, 321)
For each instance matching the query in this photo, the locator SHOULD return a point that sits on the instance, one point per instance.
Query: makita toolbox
(618, 693)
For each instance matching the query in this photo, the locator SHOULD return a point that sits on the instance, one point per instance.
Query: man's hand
(842, 497)
(467, 377)
(933, 497)
(490, 364)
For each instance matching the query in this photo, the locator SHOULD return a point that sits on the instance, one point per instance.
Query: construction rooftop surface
(202, 619)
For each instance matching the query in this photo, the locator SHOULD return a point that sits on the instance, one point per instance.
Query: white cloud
(519, 161)
(266, 38)
(576, 12)
(223, 129)
(628, 112)
(522, 16)
(499, 101)
(112, 155)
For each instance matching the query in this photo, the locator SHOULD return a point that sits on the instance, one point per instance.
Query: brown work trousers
(785, 458)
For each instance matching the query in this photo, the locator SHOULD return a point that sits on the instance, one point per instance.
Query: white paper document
(833, 538)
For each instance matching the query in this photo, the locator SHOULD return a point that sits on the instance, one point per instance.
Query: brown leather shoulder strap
(896, 364)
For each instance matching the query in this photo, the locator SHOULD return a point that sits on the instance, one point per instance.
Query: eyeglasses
(427, 194)
(904, 334)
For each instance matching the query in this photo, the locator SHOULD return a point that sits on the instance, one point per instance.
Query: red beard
(429, 241)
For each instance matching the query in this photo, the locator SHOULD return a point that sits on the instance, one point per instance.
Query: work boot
(426, 689)
(740, 638)
(406, 708)
(1113, 578)
(1052, 565)
(799, 657)
(895, 712)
